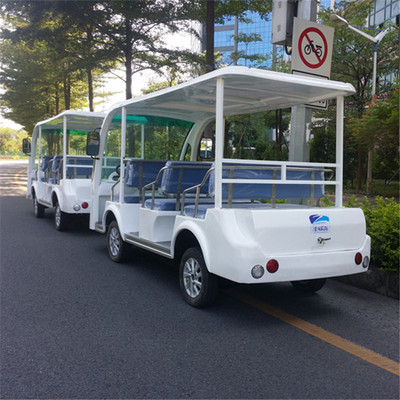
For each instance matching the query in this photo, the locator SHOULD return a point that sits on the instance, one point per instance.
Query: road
(76, 325)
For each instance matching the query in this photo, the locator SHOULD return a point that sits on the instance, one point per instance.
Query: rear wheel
(61, 218)
(116, 247)
(199, 288)
(309, 286)
(38, 209)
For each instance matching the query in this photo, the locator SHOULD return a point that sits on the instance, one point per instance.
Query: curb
(376, 281)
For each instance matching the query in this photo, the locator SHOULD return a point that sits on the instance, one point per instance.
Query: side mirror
(93, 143)
(26, 145)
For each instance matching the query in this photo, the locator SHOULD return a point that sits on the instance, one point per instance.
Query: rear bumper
(295, 267)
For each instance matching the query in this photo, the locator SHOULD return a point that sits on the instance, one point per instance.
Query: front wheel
(116, 247)
(309, 286)
(61, 218)
(38, 209)
(199, 288)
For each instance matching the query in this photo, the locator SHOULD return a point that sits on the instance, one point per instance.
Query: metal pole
(301, 117)
(219, 141)
(123, 147)
(374, 70)
(339, 151)
(371, 150)
(65, 143)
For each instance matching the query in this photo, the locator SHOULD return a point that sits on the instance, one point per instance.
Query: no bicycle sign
(312, 48)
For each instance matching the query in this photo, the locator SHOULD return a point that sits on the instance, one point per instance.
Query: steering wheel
(113, 177)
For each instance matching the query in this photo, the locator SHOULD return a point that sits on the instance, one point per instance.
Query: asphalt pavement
(76, 325)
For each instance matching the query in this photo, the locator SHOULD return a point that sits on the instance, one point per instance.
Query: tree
(41, 62)
(137, 30)
(217, 11)
(85, 43)
(378, 128)
(10, 140)
(352, 62)
(254, 59)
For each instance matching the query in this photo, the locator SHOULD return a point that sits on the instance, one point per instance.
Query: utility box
(283, 12)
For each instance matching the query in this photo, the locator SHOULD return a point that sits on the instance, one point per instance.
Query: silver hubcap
(58, 215)
(35, 205)
(192, 278)
(114, 241)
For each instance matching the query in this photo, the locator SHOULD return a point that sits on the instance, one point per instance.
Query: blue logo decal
(316, 219)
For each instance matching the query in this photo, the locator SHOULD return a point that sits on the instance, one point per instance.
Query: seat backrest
(181, 175)
(45, 162)
(266, 191)
(57, 161)
(79, 167)
(139, 173)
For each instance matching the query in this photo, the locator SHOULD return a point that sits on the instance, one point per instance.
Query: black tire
(61, 219)
(116, 247)
(309, 286)
(199, 288)
(38, 209)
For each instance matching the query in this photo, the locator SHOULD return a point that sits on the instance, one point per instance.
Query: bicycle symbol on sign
(308, 48)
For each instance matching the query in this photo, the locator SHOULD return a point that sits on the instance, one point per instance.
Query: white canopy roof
(245, 90)
(76, 120)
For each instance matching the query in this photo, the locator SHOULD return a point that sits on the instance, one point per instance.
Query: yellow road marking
(17, 178)
(335, 340)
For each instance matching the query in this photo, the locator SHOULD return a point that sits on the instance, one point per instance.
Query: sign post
(311, 55)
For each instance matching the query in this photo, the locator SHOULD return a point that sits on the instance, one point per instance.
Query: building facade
(231, 39)
(383, 11)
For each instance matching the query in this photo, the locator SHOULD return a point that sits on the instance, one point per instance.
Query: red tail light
(272, 266)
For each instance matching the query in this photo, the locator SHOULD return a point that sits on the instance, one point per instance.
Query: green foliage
(49, 62)
(322, 146)
(248, 136)
(255, 60)
(368, 124)
(11, 141)
(353, 54)
(378, 128)
(383, 221)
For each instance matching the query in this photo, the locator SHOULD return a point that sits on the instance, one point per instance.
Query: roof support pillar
(123, 148)
(219, 140)
(339, 151)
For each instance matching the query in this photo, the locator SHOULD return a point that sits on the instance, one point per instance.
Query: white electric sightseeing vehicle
(59, 171)
(180, 173)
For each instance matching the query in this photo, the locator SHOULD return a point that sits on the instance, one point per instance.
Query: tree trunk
(210, 64)
(89, 34)
(128, 59)
(360, 168)
(67, 93)
(57, 99)
(90, 89)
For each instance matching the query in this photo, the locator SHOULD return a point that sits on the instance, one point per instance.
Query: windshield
(52, 142)
(147, 138)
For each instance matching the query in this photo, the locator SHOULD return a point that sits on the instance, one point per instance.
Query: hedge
(383, 221)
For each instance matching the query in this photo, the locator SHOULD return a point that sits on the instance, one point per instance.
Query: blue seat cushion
(163, 204)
